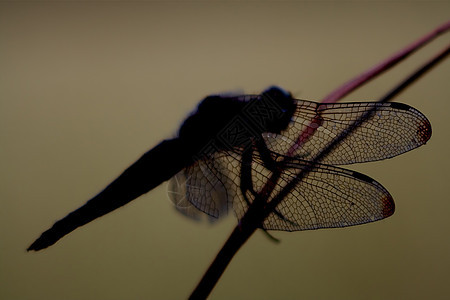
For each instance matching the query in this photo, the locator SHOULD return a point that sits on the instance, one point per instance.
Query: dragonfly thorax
(233, 121)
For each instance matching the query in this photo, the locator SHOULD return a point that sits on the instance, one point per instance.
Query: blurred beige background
(86, 88)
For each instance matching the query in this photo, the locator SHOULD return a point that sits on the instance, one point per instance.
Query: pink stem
(248, 225)
(365, 77)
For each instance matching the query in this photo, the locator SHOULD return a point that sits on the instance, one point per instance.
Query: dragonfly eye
(281, 107)
(277, 92)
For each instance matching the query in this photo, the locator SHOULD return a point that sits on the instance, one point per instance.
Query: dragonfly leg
(246, 174)
(266, 155)
(271, 165)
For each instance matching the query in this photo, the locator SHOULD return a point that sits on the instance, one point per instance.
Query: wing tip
(388, 206)
(424, 126)
(424, 131)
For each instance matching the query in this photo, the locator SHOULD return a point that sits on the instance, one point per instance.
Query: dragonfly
(227, 150)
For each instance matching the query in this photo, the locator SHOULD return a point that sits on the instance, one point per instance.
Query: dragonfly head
(280, 107)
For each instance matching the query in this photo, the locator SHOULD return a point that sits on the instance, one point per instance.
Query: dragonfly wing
(391, 129)
(328, 197)
(182, 193)
(202, 189)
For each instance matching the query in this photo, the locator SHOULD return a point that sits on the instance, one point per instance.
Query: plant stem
(256, 213)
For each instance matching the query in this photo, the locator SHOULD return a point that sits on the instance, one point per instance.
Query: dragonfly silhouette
(226, 151)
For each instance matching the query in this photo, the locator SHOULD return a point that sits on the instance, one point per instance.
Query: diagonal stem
(368, 75)
(256, 213)
(390, 95)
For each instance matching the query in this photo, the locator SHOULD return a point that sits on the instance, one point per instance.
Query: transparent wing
(329, 197)
(392, 129)
(202, 190)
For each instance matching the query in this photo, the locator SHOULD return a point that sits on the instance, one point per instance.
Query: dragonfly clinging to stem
(225, 152)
